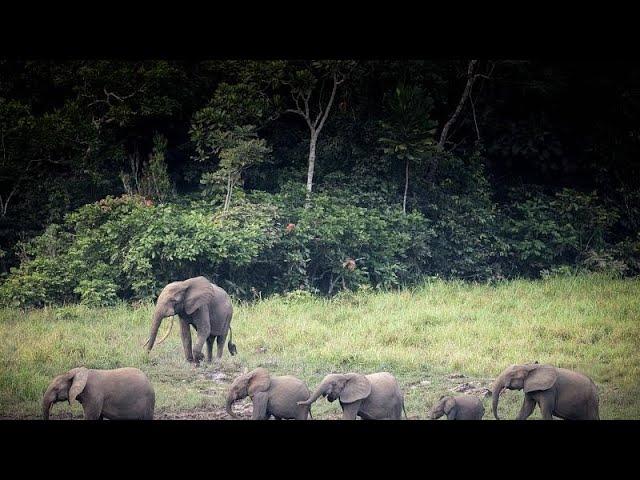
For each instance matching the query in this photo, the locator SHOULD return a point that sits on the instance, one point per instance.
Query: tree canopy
(270, 176)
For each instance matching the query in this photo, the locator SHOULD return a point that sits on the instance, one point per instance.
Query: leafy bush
(548, 231)
(129, 248)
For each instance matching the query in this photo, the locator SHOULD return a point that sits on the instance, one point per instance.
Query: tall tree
(409, 129)
(316, 83)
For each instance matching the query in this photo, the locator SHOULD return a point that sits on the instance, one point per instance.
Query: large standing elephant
(119, 394)
(559, 392)
(371, 397)
(198, 303)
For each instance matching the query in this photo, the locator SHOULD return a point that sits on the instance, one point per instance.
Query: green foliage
(409, 130)
(129, 248)
(153, 181)
(217, 127)
(352, 237)
(550, 231)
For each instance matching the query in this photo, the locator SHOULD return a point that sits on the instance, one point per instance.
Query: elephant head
(444, 406)
(176, 298)
(247, 384)
(348, 387)
(531, 377)
(64, 387)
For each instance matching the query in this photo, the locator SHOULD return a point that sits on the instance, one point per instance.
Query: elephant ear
(259, 381)
(356, 388)
(199, 292)
(449, 404)
(79, 377)
(541, 377)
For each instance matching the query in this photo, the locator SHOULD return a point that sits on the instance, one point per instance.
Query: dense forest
(117, 177)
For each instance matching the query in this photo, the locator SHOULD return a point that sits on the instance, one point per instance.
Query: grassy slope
(588, 323)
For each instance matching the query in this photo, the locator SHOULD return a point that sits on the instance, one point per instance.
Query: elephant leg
(302, 413)
(220, 347)
(209, 348)
(528, 405)
(260, 401)
(350, 410)
(92, 410)
(204, 329)
(185, 335)
(547, 404)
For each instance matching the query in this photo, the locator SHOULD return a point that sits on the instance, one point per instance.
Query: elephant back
(220, 311)
(284, 393)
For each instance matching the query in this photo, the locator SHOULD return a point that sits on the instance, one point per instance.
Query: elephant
(198, 303)
(376, 396)
(557, 391)
(461, 407)
(271, 395)
(119, 394)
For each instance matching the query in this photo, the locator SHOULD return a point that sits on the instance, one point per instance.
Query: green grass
(588, 323)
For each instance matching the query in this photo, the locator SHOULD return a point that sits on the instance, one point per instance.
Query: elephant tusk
(168, 332)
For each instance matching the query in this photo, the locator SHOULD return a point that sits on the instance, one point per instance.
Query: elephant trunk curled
(498, 385)
(230, 399)
(320, 390)
(47, 402)
(155, 326)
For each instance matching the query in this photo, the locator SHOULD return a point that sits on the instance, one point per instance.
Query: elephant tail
(310, 416)
(230, 345)
(405, 412)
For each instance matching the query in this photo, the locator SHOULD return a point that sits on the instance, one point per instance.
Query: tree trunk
(406, 187)
(465, 94)
(227, 199)
(312, 165)
(312, 161)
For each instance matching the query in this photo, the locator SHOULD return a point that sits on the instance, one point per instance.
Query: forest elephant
(371, 397)
(461, 407)
(557, 391)
(271, 395)
(120, 394)
(200, 304)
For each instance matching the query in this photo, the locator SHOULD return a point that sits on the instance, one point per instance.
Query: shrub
(548, 231)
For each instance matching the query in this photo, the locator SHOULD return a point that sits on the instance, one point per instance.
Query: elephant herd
(126, 393)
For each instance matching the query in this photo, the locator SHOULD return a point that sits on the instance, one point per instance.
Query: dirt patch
(472, 388)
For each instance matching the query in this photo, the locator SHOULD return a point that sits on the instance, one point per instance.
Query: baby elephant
(371, 397)
(120, 394)
(559, 392)
(462, 407)
(271, 395)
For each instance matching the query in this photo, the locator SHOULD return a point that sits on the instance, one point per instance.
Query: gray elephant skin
(199, 304)
(119, 394)
(271, 395)
(376, 396)
(557, 391)
(461, 407)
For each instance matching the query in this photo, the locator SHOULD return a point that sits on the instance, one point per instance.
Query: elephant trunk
(155, 326)
(230, 399)
(498, 385)
(318, 391)
(47, 402)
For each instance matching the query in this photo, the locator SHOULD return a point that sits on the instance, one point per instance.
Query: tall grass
(589, 323)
